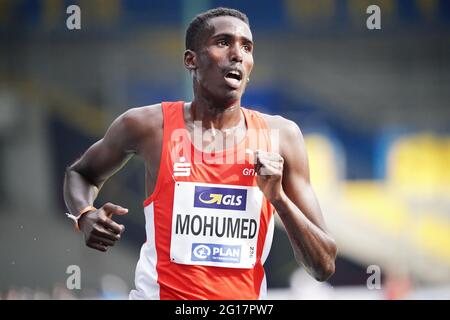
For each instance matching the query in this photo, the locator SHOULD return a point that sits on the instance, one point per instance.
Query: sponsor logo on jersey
(182, 168)
(216, 252)
(220, 198)
(248, 172)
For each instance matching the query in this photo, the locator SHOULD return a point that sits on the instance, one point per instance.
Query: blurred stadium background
(374, 107)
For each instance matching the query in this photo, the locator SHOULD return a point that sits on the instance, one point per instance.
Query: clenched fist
(269, 170)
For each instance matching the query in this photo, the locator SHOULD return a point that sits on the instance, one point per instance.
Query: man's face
(225, 59)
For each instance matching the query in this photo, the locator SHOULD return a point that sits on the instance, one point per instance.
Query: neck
(213, 114)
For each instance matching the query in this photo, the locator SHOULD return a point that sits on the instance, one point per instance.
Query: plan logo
(201, 252)
(216, 253)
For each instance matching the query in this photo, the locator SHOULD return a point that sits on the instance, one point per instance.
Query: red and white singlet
(209, 228)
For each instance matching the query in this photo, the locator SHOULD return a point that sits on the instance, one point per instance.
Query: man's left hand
(269, 170)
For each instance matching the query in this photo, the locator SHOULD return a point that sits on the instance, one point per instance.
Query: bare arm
(87, 175)
(84, 179)
(288, 187)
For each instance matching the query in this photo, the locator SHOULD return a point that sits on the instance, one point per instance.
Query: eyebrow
(230, 35)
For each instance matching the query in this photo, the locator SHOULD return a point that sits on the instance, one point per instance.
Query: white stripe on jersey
(146, 278)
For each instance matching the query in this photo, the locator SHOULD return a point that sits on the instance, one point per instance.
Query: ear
(190, 60)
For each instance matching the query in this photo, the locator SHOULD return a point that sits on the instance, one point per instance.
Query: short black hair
(200, 23)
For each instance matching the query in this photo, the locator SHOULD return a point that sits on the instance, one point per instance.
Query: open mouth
(234, 75)
(233, 78)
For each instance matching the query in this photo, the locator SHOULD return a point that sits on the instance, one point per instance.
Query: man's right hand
(99, 230)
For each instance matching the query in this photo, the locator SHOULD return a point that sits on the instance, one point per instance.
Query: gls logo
(182, 168)
(220, 198)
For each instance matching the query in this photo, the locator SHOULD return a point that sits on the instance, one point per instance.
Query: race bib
(215, 225)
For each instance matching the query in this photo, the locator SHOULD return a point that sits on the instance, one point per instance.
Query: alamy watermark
(374, 280)
(217, 147)
(73, 21)
(74, 279)
(373, 22)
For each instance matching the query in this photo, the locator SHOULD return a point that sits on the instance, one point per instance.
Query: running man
(215, 175)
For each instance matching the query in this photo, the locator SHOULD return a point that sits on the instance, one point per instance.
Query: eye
(222, 43)
(247, 47)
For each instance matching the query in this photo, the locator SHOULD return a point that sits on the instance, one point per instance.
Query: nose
(236, 53)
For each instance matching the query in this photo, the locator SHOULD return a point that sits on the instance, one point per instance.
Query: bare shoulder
(143, 118)
(291, 144)
(137, 123)
(133, 127)
(288, 130)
